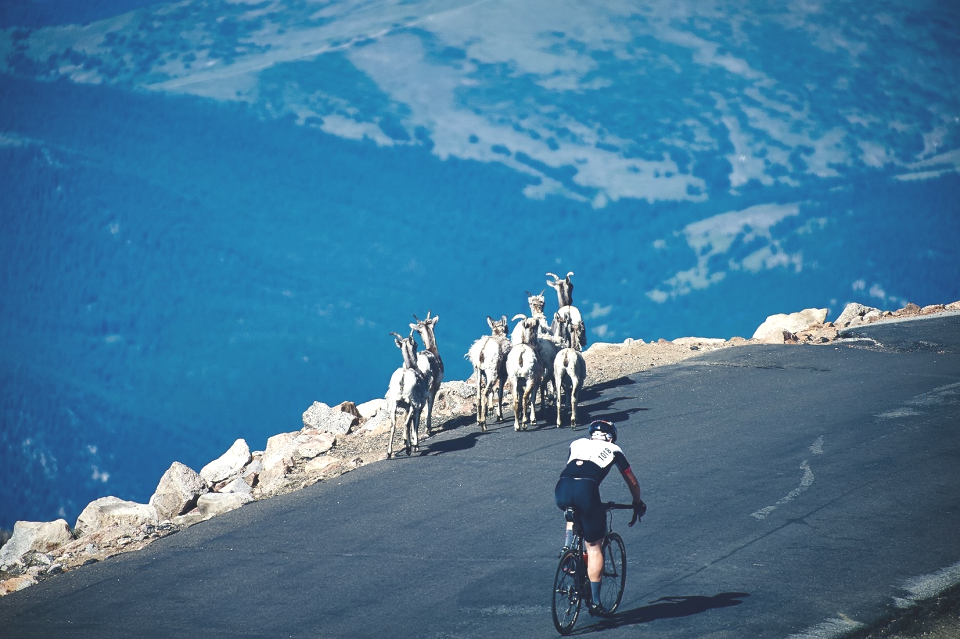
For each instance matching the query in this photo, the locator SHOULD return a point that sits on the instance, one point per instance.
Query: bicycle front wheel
(566, 592)
(614, 576)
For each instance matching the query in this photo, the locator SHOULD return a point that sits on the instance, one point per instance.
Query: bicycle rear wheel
(566, 592)
(614, 576)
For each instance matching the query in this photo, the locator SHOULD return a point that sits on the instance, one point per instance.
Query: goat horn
(416, 318)
(518, 316)
(397, 334)
(569, 274)
(553, 276)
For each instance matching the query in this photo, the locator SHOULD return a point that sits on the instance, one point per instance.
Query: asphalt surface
(793, 491)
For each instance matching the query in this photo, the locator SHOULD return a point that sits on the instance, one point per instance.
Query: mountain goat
(408, 391)
(429, 361)
(572, 320)
(571, 367)
(545, 343)
(489, 358)
(525, 370)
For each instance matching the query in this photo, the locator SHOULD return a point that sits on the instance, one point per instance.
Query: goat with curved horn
(407, 391)
(429, 360)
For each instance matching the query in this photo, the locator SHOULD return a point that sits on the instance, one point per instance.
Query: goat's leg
(518, 408)
(500, 382)
(481, 399)
(415, 432)
(574, 391)
(557, 383)
(393, 430)
(530, 399)
(430, 397)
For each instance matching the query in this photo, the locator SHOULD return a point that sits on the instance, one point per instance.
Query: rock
(953, 306)
(227, 465)
(34, 536)
(16, 583)
(350, 409)
(252, 472)
(331, 420)
(113, 512)
(852, 315)
(792, 323)
(369, 409)
(909, 310)
(778, 337)
(237, 485)
(177, 491)
(310, 444)
(699, 341)
(379, 423)
(213, 504)
(933, 308)
(455, 399)
(323, 465)
(277, 459)
(189, 519)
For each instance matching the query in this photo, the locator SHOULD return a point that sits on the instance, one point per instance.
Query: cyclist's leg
(563, 495)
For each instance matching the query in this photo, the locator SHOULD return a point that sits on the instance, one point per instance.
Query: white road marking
(805, 482)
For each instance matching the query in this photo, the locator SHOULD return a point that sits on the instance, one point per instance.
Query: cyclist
(579, 486)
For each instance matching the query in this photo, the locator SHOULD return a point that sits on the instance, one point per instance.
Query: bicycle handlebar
(612, 505)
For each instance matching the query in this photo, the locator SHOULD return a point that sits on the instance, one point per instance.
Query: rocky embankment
(335, 440)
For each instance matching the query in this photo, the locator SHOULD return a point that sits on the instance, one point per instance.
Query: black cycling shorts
(584, 495)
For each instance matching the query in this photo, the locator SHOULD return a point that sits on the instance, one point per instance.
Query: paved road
(792, 492)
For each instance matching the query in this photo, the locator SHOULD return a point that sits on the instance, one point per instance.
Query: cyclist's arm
(624, 467)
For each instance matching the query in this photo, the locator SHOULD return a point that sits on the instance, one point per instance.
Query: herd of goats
(536, 354)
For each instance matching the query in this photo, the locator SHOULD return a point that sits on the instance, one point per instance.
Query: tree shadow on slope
(672, 608)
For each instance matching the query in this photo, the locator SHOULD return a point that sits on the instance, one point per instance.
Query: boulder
(855, 314)
(454, 399)
(34, 536)
(310, 444)
(370, 409)
(775, 325)
(177, 491)
(238, 485)
(213, 504)
(113, 512)
(227, 465)
(331, 420)
(322, 466)
(350, 409)
(379, 423)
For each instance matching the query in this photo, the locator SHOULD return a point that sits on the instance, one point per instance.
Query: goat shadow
(674, 607)
(433, 446)
(595, 390)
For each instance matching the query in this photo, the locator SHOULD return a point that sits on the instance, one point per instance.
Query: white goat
(408, 391)
(570, 314)
(546, 343)
(489, 358)
(569, 367)
(429, 361)
(525, 370)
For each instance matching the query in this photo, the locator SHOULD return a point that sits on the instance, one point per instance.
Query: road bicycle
(571, 587)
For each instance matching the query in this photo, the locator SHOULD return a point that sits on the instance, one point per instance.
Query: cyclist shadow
(673, 607)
